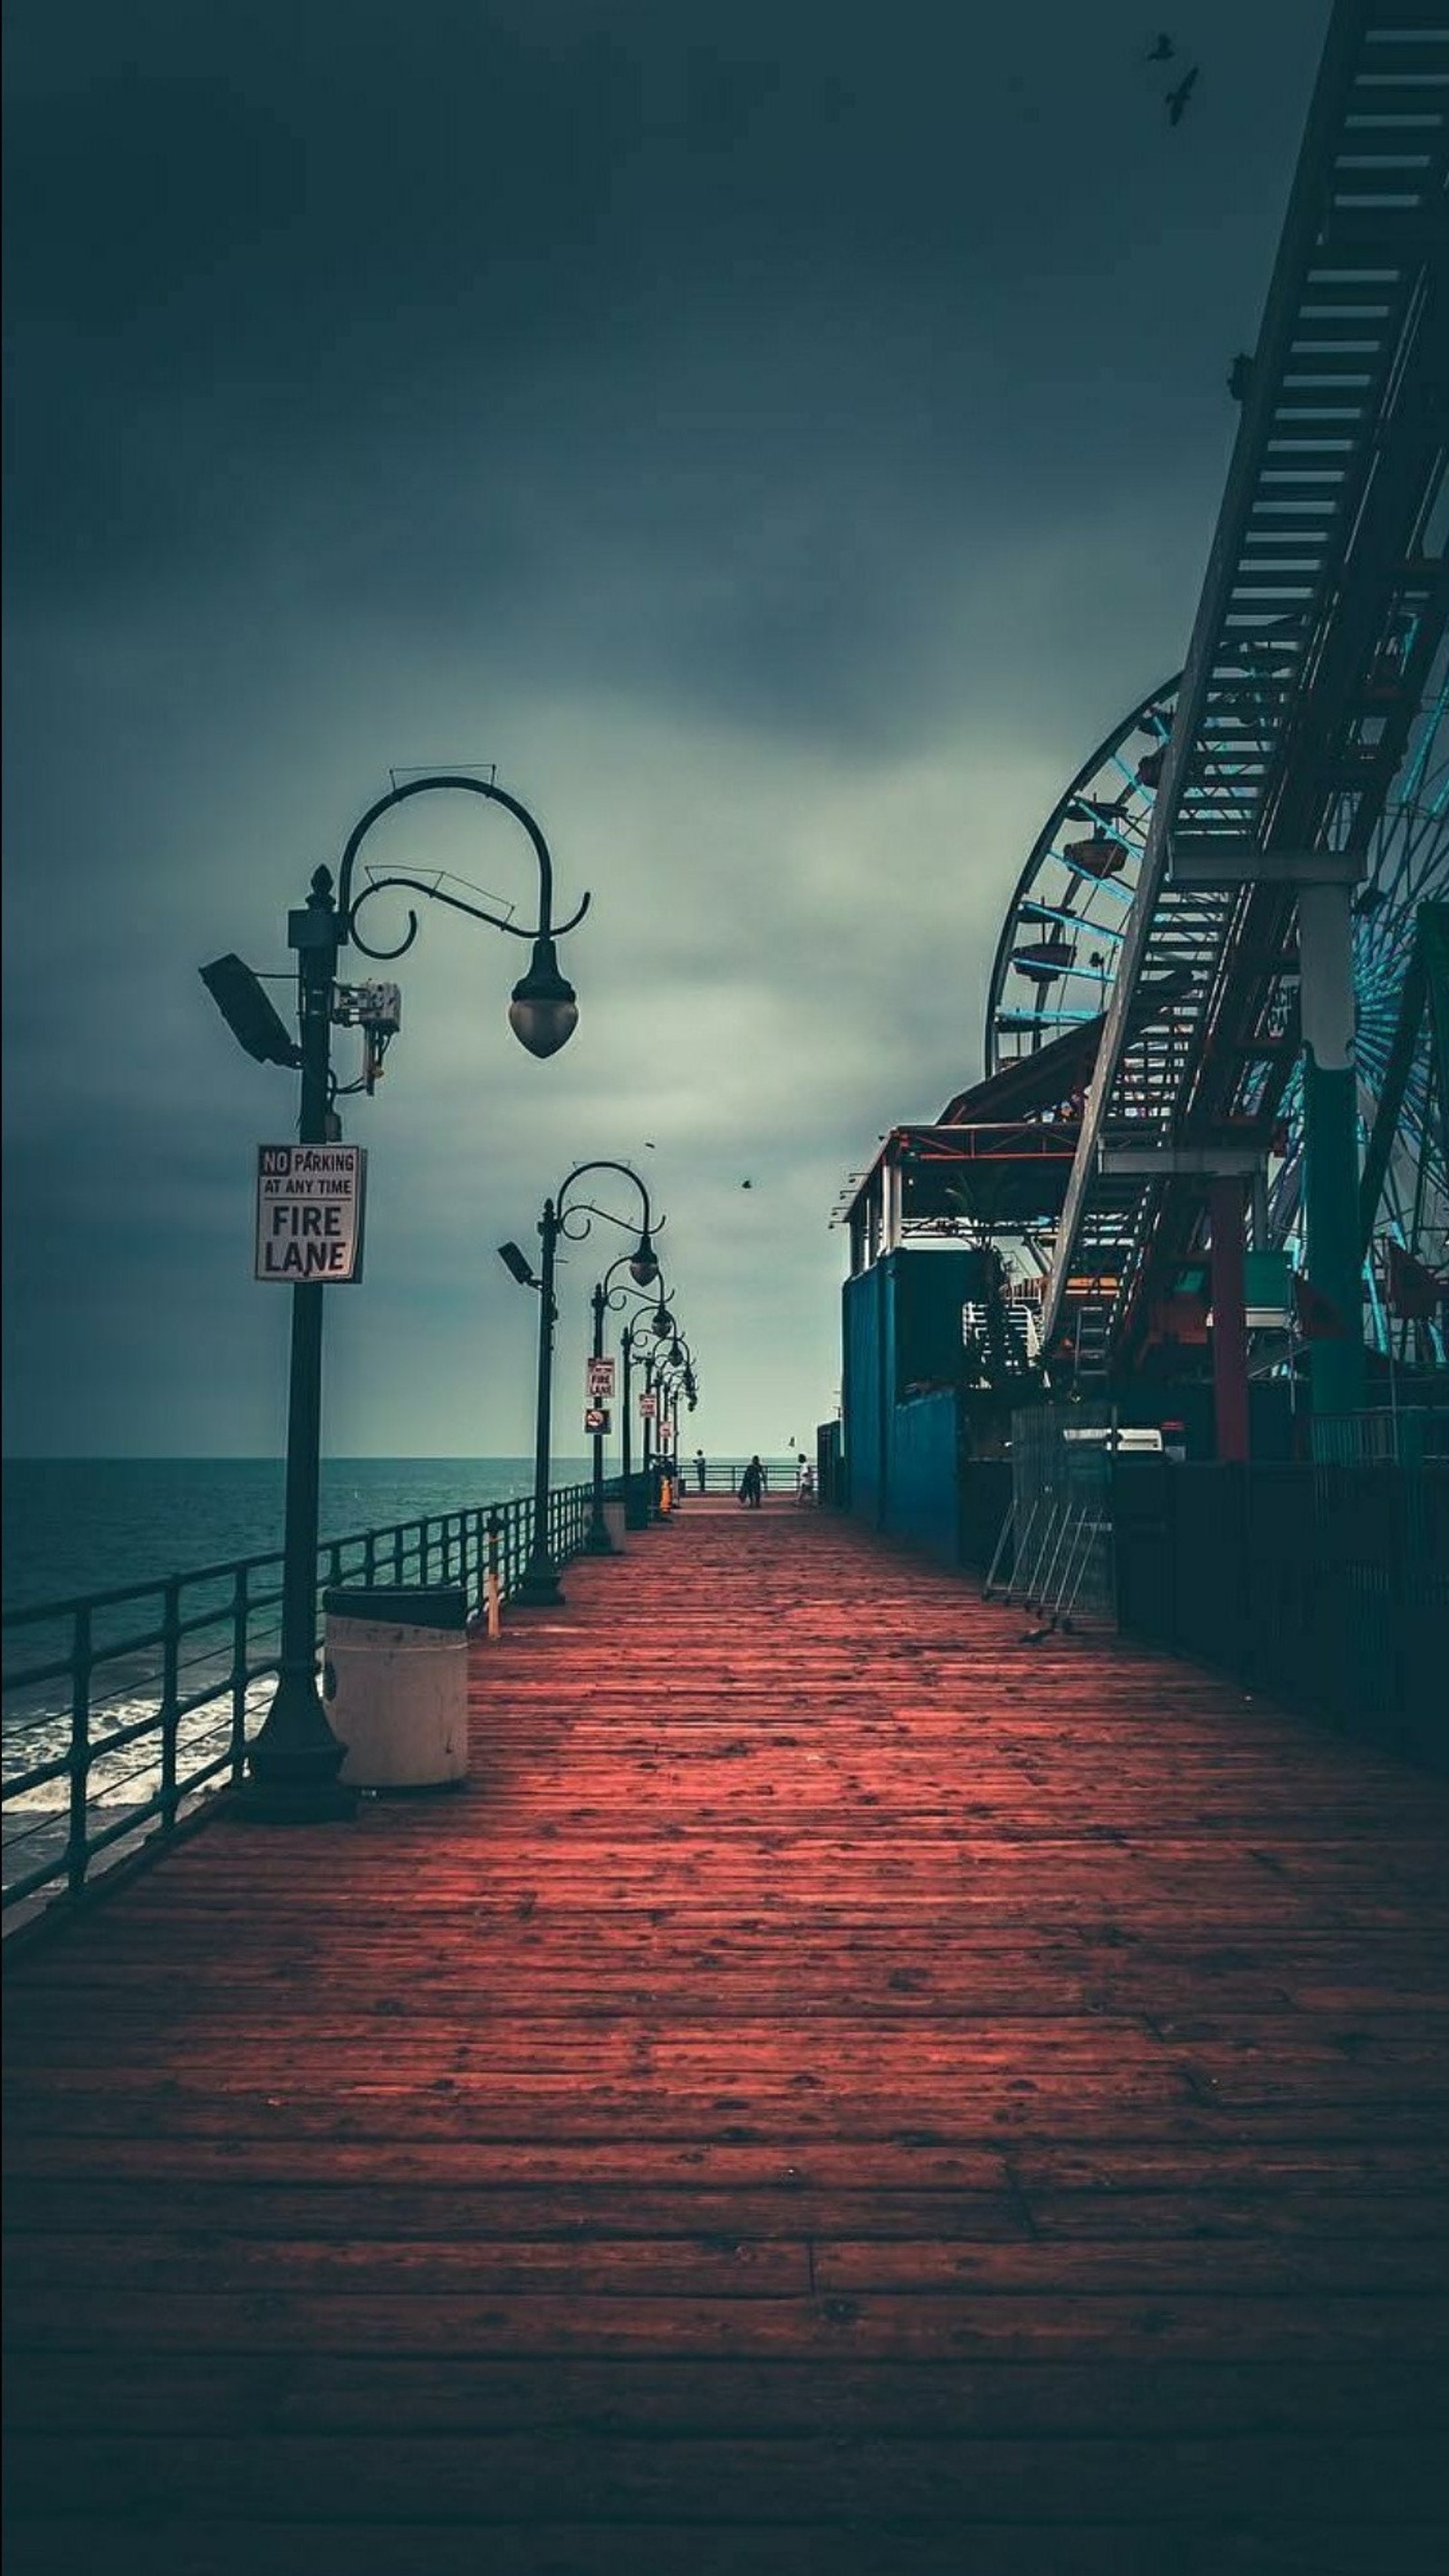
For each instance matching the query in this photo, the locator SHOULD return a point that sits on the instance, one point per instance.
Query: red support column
(1230, 1330)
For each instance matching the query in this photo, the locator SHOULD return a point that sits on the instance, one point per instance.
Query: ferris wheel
(1057, 958)
(1409, 865)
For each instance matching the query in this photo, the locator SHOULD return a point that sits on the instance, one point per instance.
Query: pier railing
(124, 1710)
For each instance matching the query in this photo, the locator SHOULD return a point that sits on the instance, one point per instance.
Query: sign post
(293, 1763)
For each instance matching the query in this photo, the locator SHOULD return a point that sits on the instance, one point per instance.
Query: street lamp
(668, 1374)
(637, 1348)
(604, 1296)
(295, 1758)
(543, 1010)
(539, 1585)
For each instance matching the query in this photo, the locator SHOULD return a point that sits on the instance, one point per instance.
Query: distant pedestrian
(701, 1470)
(752, 1484)
(804, 1479)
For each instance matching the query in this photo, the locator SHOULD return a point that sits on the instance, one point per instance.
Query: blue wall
(924, 1495)
(864, 1394)
(901, 1451)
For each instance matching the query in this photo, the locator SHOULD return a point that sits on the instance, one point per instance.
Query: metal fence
(1326, 1586)
(1402, 1436)
(722, 1475)
(124, 1710)
(1054, 1552)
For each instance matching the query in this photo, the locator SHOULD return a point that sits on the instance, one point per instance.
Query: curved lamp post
(295, 1758)
(640, 1347)
(668, 1375)
(604, 1296)
(539, 1584)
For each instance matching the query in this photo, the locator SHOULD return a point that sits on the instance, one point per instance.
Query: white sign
(666, 1435)
(597, 1421)
(647, 1407)
(600, 1380)
(309, 1213)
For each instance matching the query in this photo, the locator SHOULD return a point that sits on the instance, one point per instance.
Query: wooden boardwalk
(844, 2093)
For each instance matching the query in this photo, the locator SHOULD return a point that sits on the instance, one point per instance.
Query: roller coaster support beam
(1228, 1170)
(1230, 1324)
(1206, 863)
(1325, 880)
(1330, 1140)
(1179, 1162)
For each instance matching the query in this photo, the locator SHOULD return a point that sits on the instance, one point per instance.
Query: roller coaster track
(1322, 614)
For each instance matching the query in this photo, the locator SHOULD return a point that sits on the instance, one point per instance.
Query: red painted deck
(843, 2091)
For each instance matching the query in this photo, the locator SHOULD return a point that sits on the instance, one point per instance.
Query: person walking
(701, 1470)
(752, 1484)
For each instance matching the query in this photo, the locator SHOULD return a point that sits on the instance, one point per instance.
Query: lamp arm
(588, 1210)
(347, 906)
(604, 1165)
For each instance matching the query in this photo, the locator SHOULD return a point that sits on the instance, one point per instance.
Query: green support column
(1230, 1334)
(1330, 1141)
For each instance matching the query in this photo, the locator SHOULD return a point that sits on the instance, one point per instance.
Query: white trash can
(395, 1682)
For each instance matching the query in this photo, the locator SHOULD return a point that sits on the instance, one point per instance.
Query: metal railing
(133, 1706)
(1326, 1585)
(1402, 1436)
(1054, 1551)
(722, 1476)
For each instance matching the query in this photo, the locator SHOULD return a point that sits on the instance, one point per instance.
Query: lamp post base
(538, 1586)
(598, 1541)
(292, 1767)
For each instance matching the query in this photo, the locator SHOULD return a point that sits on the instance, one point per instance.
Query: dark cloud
(783, 438)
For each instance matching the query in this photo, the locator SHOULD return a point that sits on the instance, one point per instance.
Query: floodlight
(248, 1012)
(518, 1263)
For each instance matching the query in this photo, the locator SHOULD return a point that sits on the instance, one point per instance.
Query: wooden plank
(305, 2392)
(901, 2326)
(487, 2479)
(1231, 2544)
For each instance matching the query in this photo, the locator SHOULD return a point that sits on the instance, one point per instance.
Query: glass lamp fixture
(544, 1011)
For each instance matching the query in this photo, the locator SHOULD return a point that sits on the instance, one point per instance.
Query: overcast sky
(783, 439)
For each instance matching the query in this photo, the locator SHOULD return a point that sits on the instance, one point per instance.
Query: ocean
(73, 1525)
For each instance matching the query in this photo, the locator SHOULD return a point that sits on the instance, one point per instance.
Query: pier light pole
(604, 1296)
(539, 1585)
(643, 1348)
(676, 1379)
(294, 1760)
(668, 1374)
(636, 1344)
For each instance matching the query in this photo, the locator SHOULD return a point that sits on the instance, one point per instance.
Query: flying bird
(1162, 51)
(747, 1185)
(1176, 99)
